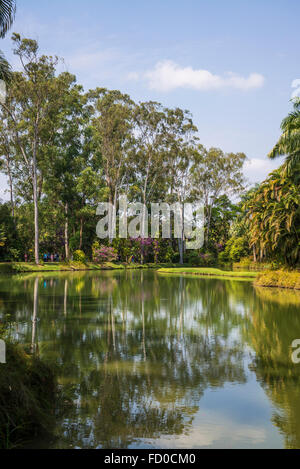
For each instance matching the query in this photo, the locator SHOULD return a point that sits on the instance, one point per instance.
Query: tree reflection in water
(138, 350)
(275, 324)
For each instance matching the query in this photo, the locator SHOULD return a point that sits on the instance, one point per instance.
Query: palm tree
(289, 142)
(7, 14)
(273, 218)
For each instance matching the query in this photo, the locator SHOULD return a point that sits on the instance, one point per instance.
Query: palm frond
(7, 15)
(288, 144)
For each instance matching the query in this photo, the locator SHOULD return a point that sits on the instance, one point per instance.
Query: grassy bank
(279, 278)
(207, 272)
(27, 397)
(22, 267)
(16, 267)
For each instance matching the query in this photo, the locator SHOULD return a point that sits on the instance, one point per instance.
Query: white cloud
(167, 76)
(257, 170)
(214, 429)
(296, 84)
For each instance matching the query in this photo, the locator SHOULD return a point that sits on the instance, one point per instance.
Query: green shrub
(169, 255)
(245, 261)
(279, 278)
(176, 258)
(14, 255)
(223, 257)
(79, 256)
(193, 258)
(235, 250)
(27, 397)
(239, 249)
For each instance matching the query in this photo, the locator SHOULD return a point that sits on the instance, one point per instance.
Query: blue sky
(231, 63)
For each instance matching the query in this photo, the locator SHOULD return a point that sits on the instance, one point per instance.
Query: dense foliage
(63, 151)
(28, 394)
(274, 219)
(289, 142)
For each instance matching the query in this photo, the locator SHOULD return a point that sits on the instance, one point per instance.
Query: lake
(162, 361)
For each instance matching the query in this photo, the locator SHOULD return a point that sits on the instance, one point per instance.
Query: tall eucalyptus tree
(31, 114)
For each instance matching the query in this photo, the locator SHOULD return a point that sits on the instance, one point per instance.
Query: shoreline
(209, 272)
(26, 267)
(287, 280)
(269, 279)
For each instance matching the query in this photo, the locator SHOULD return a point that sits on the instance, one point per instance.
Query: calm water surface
(152, 360)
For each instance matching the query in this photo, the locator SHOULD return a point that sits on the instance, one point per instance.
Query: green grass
(207, 272)
(23, 267)
(20, 267)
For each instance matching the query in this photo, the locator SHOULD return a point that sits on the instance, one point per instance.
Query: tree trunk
(254, 254)
(143, 229)
(181, 241)
(12, 202)
(67, 253)
(144, 214)
(81, 234)
(112, 216)
(208, 227)
(36, 213)
(35, 195)
(180, 247)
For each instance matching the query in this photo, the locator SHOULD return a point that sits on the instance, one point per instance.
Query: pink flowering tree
(104, 254)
